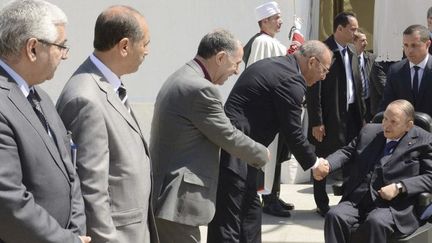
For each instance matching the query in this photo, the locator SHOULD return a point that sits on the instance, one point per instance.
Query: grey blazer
(112, 159)
(40, 196)
(188, 129)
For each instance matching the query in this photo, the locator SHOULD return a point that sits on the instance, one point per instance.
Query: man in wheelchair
(391, 164)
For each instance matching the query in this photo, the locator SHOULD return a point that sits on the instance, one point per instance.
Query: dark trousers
(238, 211)
(173, 232)
(363, 223)
(353, 125)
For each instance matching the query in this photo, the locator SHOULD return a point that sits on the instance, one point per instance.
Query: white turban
(266, 10)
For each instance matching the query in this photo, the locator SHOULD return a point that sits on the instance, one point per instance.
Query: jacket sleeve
(19, 213)
(389, 91)
(288, 98)
(423, 181)
(208, 115)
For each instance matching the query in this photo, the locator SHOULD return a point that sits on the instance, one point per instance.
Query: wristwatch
(400, 187)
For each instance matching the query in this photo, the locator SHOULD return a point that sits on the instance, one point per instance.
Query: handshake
(322, 170)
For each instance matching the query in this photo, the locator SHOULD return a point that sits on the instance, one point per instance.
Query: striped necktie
(34, 100)
(123, 97)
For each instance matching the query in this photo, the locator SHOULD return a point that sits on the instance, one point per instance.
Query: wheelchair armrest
(424, 199)
(338, 188)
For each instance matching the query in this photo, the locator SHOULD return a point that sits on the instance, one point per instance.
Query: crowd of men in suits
(81, 171)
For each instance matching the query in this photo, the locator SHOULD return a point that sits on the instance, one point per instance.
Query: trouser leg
(226, 224)
(173, 232)
(339, 222)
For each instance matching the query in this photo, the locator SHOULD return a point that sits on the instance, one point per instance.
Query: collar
(422, 64)
(206, 74)
(111, 77)
(340, 47)
(22, 84)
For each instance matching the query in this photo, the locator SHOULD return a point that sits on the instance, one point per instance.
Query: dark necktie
(343, 52)
(415, 82)
(365, 84)
(123, 97)
(389, 147)
(34, 100)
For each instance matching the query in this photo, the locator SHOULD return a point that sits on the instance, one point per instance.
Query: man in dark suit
(410, 79)
(113, 160)
(189, 128)
(378, 79)
(40, 196)
(335, 105)
(393, 164)
(266, 100)
(365, 61)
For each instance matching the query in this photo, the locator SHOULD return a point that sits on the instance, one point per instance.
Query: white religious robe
(265, 46)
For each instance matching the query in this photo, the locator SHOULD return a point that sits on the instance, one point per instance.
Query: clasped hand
(322, 170)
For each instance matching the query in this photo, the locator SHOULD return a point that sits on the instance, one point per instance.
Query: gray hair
(406, 107)
(21, 20)
(216, 41)
(313, 48)
(429, 13)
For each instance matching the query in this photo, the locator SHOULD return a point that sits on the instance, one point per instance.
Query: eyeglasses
(63, 48)
(326, 70)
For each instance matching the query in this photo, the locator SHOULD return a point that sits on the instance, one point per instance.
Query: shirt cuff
(316, 164)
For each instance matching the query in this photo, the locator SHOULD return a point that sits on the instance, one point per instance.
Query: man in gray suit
(113, 162)
(189, 127)
(40, 196)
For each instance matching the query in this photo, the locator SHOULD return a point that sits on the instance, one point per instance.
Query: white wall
(176, 28)
(392, 17)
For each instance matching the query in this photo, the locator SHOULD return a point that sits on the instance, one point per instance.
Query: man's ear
(428, 43)
(219, 57)
(123, 46)
(410, 125)
(30, 49)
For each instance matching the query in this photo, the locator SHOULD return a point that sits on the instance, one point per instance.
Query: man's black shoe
(322, 212)
(285, 205)
(276, 209)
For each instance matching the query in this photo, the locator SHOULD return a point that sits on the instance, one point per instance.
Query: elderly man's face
(229, 66)
(395, 123)
(318, 69)
(49, 56)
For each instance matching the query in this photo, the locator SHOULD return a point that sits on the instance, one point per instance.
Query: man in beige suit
(112, 159)
(189, 127)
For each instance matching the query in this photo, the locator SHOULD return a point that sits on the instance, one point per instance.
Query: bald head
(115, 23)
(314, 59)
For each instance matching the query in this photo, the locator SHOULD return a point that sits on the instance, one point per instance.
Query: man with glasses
(410, 78)
(113, 160)
(263, 45)
(40, 195)
(266, 100)
(335, 105)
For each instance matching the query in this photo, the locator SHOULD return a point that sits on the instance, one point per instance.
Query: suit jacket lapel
(405, 143)
(24, 107)
(406, 80)
(426, 81)
(111, 96)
